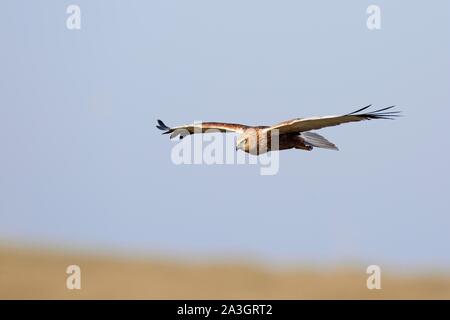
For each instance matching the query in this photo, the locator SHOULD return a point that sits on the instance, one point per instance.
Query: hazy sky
(82, 164)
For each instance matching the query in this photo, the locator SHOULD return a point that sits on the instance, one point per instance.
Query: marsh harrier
(295, 133)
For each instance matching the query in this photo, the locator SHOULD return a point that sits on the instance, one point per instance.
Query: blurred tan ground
(33, 274)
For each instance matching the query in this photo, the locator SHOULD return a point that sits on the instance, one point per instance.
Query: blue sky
(83, 166)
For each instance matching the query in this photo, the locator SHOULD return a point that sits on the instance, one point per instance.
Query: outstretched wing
(201, 127)
(314, 123)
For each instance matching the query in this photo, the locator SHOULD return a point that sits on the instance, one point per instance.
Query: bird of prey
(291, 134)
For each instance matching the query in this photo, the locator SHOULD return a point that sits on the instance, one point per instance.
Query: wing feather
(201, 127)
(315, 123)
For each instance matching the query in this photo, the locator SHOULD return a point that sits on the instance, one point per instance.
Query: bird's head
(241, 143)
(247, 140)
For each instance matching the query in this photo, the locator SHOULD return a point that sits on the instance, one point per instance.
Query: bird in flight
(291, 134)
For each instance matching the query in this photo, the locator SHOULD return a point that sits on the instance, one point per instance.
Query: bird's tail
(316, 140)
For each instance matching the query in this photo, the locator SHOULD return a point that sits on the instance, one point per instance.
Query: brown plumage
(290, 134)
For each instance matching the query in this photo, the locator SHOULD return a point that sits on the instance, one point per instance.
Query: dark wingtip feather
(378, 114)
(163, 127)
(359, 110)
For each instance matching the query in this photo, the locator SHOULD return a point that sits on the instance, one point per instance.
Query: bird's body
(291, 134)
(258, 140)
